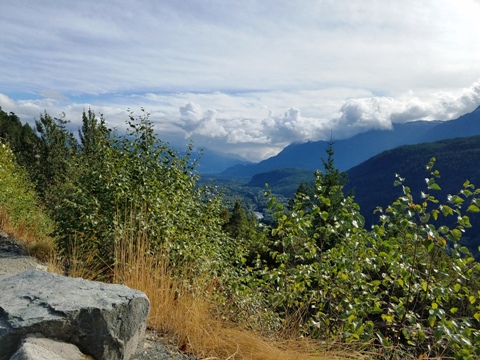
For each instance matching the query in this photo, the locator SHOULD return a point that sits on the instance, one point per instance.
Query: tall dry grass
(182, 308)
(37, 243)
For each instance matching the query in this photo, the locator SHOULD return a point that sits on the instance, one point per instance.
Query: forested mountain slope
(456, 159)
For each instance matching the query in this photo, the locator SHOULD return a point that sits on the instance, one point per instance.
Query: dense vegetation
(20, 209)
(372, 181)
(457, 160)
(403, 288)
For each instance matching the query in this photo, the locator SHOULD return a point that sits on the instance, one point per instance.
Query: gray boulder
(105, 321)
(39, 348)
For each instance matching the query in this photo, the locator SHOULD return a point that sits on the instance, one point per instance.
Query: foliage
(53, 171)
(406, 286)
(20, 137)
(457, 159)
(395, 284)
(239, 224)
(326, 202)
(136, 173)
(20, 210)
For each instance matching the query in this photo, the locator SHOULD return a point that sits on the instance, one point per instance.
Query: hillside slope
(456, 159)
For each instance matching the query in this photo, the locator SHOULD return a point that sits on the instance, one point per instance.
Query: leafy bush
(20, 212)
(405, 284)
(136, 184)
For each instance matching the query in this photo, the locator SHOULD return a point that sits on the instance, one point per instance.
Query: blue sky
(243, 77)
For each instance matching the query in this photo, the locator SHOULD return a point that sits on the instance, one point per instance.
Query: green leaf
(430, 164)
(456, 233)
(446, 210)
(324, 215)
(382, 339)
(455, 199)
(387, 318)
(473, 208)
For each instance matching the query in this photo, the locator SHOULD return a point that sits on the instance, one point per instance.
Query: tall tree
(93, 135)
(326, 202)
(237, 225)
(57, 148)
(21, 139)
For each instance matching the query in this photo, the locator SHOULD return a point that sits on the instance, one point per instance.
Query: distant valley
(371, 161)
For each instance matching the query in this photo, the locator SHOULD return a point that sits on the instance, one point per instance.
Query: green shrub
(405, 284)
(21, 214)
(138, 185)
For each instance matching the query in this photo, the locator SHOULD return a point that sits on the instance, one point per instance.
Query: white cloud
(256, 124)
(210, 46)
(7, 103)
(190, 117)
(247, 77)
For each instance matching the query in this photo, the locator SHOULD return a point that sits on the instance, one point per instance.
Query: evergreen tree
(21, 139)
(325, 201)
(237, 225)
(93, 135)
(57, 148)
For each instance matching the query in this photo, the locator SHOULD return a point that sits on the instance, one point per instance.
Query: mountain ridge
(353, 151)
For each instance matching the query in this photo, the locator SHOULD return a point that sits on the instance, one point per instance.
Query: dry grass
(182, 311)
(78, 263)
(181, 306)
(36, 243)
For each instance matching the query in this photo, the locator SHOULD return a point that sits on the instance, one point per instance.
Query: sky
(243, 77)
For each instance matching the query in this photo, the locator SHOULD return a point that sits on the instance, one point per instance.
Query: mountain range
(353, 151)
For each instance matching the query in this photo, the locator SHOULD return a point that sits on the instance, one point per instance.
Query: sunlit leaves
(397, 273)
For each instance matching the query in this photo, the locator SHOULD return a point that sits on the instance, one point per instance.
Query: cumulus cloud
(358, 115)
(190, 117)
(362, 114)
(193, 120)
(292, 127)
(258, 124)
(354, 116)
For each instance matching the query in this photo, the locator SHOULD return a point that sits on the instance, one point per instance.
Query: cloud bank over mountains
(243, 77)
(247, 126)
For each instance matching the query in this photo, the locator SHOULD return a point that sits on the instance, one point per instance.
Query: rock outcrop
(36, 348)
(105, 321)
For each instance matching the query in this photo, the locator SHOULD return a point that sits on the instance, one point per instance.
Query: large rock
(38, 348)
(103, 320)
